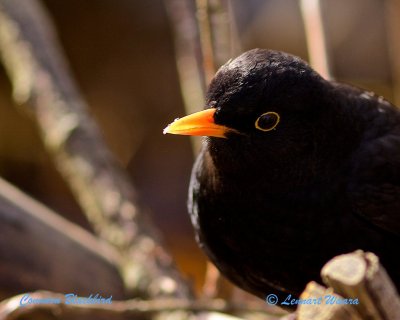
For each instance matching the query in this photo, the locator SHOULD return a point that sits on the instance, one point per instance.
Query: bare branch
(41, 78)
(188, 56)
(324, 311)
(315, 35)
(11, 308)
(224, 34)
(206, 39)
(392, 8)
(359, 275)
(44, 250)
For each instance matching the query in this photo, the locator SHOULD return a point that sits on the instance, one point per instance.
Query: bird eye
(267, 121)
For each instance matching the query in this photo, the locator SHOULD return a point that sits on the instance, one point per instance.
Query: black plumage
(297, 169)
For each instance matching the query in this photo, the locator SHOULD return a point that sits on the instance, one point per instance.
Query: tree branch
(315, 35)
(12, 309)
(44, 250)
(188, 57)
(359, 275)
(40, 77)
(324, 311)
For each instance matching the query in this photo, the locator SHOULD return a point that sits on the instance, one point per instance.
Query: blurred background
(123, 56)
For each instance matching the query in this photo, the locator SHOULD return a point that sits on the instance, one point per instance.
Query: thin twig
(188, 57)
(235, 43)
(12, 309)
(216, 42)
(211, 281)
(224, 35)
(315, 35)
(392, 8)
(206, 38)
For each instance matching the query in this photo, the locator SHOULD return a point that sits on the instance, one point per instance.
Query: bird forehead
(266, 61)
(251, 78)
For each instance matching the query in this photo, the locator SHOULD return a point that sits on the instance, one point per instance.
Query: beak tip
(200, 123)
(167, 129)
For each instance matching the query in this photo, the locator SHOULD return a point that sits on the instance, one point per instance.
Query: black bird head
(266, 107)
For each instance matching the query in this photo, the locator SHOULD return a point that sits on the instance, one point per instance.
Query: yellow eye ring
(267, 121)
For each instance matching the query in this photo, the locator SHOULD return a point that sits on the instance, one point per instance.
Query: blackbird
(294, 170)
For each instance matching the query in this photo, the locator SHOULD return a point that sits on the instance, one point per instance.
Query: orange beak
(198, 124)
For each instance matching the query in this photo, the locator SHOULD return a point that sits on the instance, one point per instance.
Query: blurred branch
(188, 53)
(315, 35)
(11, 309)
(40, 77)
(215, 21)
(392, 8)
(194, 48)
(235, 42)
(206, 38)
(212, 279)
(34, 242)
(218, 34)
(188, 57)
(224, 33)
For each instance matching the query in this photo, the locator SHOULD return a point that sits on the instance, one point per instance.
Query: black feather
(270, 208)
